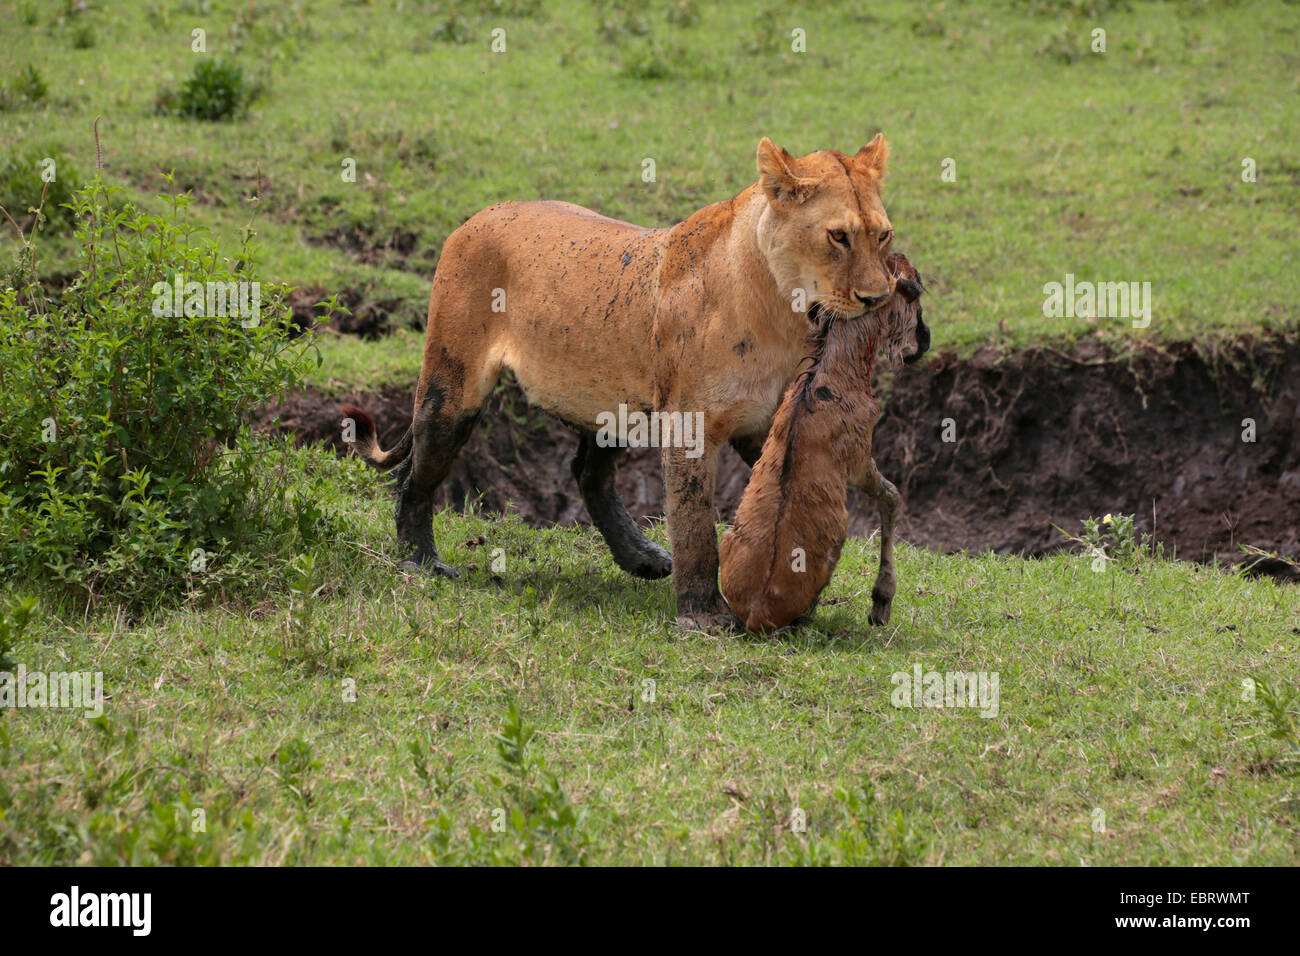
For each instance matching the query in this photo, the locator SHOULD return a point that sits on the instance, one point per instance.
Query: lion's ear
(774, 173)
(874, 154)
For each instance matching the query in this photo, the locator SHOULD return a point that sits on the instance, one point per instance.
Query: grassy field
(1121, 734)
(545, 708)
(347, 362)
(1117, 166)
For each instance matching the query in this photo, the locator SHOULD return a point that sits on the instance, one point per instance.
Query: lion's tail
(367, 443)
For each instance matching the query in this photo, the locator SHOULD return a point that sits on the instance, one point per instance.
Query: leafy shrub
(651, 61)
(302, 642)
(214, 90)
(453, 29)
(535, 821)
(865, 835)
(83, 36)
(294, 764)
(542, 821)
(1067, 45)
(1277, 704)
(684, 13)
(26, 89)
(22, 185)
(1088, 9)
(13, 622)
(768, 33)
(617, 19)
(126, 467)
(1115, 538)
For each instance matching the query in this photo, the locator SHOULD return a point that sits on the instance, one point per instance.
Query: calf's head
(901, 330)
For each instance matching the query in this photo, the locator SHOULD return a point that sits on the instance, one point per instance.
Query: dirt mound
(1043, 438)
(368, 315)
(990, 452)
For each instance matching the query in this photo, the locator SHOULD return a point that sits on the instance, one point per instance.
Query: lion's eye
(840, 236)
(886, 236)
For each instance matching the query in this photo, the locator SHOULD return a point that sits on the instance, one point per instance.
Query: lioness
(708, 316)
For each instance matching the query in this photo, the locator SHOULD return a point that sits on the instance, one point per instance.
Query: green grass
(1117, 166)
(1120, 693)
(349, 363)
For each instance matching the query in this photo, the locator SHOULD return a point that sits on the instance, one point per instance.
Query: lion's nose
(872, 301)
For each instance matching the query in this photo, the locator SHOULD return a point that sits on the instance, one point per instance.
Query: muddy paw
(433, 568)
(717, 617)
(650, 562)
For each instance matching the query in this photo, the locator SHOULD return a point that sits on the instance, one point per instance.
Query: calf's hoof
(879, 613)
(882, 599)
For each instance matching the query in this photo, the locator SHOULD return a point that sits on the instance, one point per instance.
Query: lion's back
(537, 226)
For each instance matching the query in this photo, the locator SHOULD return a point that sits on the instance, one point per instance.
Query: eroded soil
(1033, 439)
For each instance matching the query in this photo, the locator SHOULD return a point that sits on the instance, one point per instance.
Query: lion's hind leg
(594, 468)
(437, 440)
(446, 409)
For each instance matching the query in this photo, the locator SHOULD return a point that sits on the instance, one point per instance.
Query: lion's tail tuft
(367, 443)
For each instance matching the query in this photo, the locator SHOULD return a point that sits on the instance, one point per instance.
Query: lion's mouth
(817, 313)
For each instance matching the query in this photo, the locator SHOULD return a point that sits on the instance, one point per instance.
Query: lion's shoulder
(690, 241)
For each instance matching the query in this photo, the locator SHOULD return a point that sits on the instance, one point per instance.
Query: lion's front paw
(434, 568)
(650, 562)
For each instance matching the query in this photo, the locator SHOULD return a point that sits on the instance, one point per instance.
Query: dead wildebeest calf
(793, 517)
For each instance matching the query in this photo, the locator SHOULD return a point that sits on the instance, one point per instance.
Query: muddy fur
(793, 518)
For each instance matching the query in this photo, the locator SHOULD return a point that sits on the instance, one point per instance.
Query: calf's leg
(889, 502)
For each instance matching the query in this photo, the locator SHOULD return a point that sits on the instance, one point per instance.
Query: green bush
(651, 61)
(1115, 538)
(27, 89)
(83, 37)
(126, 468)
(21, 186)
(13, 622)
(454, 29)
(537, 822)
(214, 90)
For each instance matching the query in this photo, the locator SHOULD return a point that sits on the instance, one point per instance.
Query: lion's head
(825, 232)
